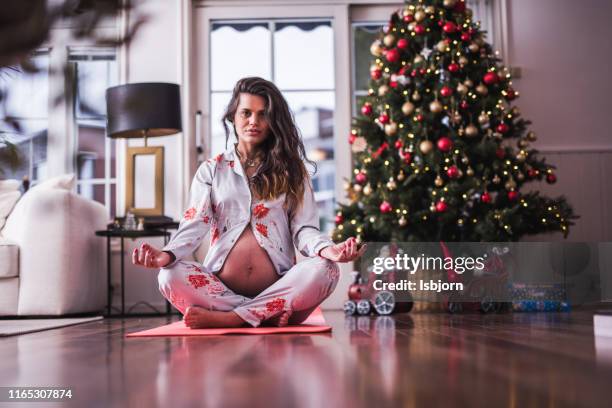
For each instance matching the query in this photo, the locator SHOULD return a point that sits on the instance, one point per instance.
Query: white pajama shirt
(221, 203)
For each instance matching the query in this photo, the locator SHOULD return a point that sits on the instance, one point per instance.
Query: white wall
(561, 48)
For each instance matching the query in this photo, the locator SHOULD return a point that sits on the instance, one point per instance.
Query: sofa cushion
(9, 258)
(8, 198)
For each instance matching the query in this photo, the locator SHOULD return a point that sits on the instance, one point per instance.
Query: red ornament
(449, 27)
(446, 91)
(398, 144)
(551, 178)
(366, 109)
(445, 144)
(532, 173)
(464, 104)
(454, 67)
(385, 207)
(485, 197)
(419, 117)
(393, 84)
(510, 94)
(361, 178)
(459, 6)
(502, 128)
(419, 29)
(405, 155)
(490, 78)
(352, 138)
(383, 118)
(422, 71)
(513, 195)
(376, 74)
(472, 31)
(413, 73)
(408, 18)
(392, 55)
(466, 36)
(339, 219)
(500, 153)
(440, 23)
(441, 206)
(402, 43)
(452, 172)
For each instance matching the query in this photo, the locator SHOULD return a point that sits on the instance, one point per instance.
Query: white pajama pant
(300, 290)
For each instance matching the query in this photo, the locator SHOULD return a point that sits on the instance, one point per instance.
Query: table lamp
(144, 110)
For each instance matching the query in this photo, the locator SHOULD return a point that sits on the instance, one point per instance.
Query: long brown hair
(282, 169)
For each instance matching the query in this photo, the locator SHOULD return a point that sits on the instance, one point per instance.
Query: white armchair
(51, 262)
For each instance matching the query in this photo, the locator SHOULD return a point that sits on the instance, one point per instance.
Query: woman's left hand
(343, 252)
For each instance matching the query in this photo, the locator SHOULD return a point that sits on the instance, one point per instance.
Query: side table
(122, 234)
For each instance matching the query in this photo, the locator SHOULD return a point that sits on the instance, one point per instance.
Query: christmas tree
(439, 152)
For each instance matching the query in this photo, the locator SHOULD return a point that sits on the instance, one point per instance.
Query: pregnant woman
(256, 201)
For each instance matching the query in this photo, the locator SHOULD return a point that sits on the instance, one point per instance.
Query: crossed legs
(206, 302)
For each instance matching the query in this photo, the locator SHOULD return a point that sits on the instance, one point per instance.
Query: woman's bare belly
(248, 270)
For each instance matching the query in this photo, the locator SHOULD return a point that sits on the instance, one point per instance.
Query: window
(297, 55)
(94, 70)
(27, 106)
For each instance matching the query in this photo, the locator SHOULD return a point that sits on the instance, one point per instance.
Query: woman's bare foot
(281, 320)
(197, 317)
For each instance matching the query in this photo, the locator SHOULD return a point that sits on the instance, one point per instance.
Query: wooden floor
(410, 360)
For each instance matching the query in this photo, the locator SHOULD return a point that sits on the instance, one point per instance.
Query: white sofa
(51, 262)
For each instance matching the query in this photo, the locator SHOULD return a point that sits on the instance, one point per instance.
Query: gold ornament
(465, 160)
(391, 129)
(439, 182)
(456, 118)
(418, 59)
(510, 184)
(357, 188)
(521, 156)
(469, 83)
(522, 143)
(520, 176)
(388, 40)
(426, 146)
(482, 89)
(469, 171)
(449, 3)
(432, 208)
(435, 106)
(471, 130)
(496, 179)
(401, 175)
(407, 108)
(391, 185)
(473, 47)
(463, 61)
(483, 118)
(430, 9)
(347, 186)
(383, 89)
(419, 16)
(367, 190)
(402, 221)
(462, 89)
(359, 144)
(376, 48)
(531, 136)
(460, 131)
(416, 96)
(441, 46)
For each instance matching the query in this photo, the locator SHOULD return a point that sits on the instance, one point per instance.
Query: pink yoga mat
(314, 324)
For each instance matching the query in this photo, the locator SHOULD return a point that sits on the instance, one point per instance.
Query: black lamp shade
(132, 109)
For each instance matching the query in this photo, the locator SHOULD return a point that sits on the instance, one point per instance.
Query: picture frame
(144, 187)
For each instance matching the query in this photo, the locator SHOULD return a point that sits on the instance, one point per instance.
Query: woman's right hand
(150, 257)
